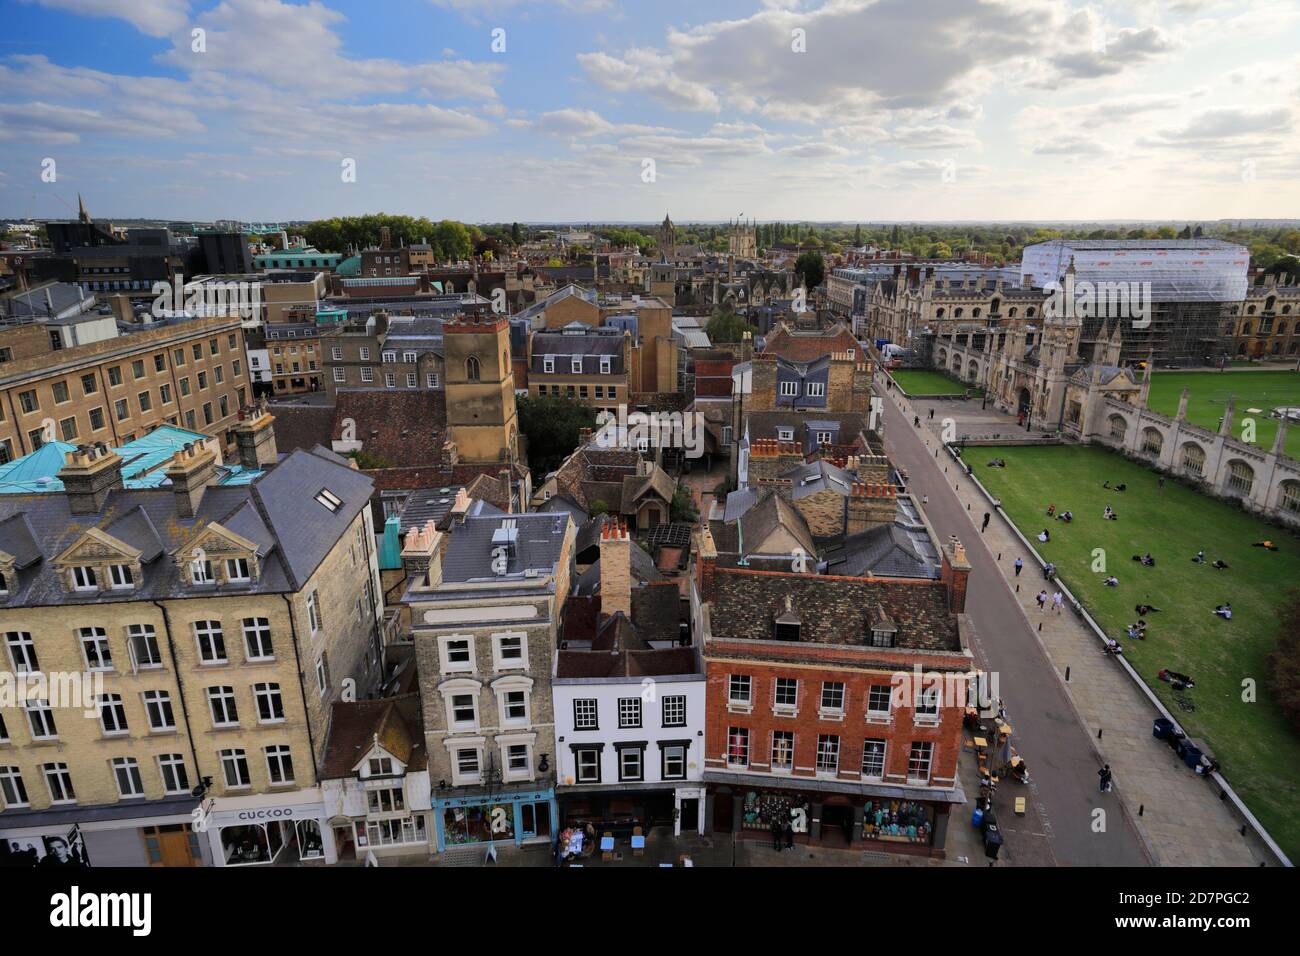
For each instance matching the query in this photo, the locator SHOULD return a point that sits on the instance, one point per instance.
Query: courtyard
(1258, 750)
(921, 382)
(1208, 393)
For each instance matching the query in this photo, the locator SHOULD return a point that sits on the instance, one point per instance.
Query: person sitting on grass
(1111, 582)
(1144, 609)
(1066, 516)
(1106, 483)
(1200, 557)
(1137, 631)
(1266, 545)
(1113, 647)
(1109, 514)
(1148, 561)
(1219, 564)
(1121, 487)
(1051, 510)
(1044, 536)
(1224, 611)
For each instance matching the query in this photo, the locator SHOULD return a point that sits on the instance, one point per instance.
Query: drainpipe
(185, 711)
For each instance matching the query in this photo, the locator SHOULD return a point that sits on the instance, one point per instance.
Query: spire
(82, 214)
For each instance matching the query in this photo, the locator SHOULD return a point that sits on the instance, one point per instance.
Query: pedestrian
(1058, 601)
(789, 835)
(776, 834)
(932, 414)
(1160, 483)
(1042, 600)
(1019, 566)
(985, 523)
(916, 421)
(1105, 775)
(925, 499)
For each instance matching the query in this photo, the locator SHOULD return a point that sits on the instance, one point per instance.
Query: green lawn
(1209, 392)
(1259, 751)
(915, 382)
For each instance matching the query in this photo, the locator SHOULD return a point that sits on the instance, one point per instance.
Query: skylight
(329, 499)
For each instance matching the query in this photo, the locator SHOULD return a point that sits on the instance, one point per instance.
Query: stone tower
(667, 240)
(481, 389)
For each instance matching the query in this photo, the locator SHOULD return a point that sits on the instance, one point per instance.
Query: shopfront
(153, 833)
(262, 830)
(503, 816)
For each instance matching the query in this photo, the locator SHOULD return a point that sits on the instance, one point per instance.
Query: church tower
(667, 240)
(481, 389)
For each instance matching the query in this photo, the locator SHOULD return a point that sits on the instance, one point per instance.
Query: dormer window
(575, 366)
(548, 364)
(380, 767)
(606, 364)
(201, 571)
(785, 434)
(84, 578)
(4, 584)
(237, 570)
(882, 637)
(120, 576)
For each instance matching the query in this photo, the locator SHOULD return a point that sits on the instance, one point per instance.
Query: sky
(602, 110)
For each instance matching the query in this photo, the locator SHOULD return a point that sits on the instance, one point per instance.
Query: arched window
(1118, 426)
(1030, 312)
(1290, 497)
(1152, 441)
(472, 369)
(1245, 329)
(1241, 477)
(1194, 459)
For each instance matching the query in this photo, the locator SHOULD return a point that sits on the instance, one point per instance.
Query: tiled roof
(395, 722)
(405, 427)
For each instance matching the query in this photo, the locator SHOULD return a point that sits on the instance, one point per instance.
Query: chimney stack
(191, 471)
(255, 436)
(420, 554)
(615, 569)
(954, 572)
(88, 475)
(870, 504)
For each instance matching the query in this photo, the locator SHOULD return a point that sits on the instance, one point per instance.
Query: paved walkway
(1180, 817)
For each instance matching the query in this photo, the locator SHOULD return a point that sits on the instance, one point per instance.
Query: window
(59, 782)
(12, 788)
(197, 349)
(785, 434)
(158, 710)
(27, 401)
(127, 773)
(330, 500)
(171, 767)
(882, 637)
(832, 699)
(121, 409)
(918, 761)
(60, 392)
(412, 380)
(237, 569)
(120, 576)
(88, 385)
(178, 356)
(22, 652)
(518, 763)
(508, 651)
(740, 690)
(674, 711)
(112, 715)
(782, 751)
(514, 707)
(674, 761)
(159, 362)
(431, 379)
(606, 364)
(367, 375)
(927, 706)
(212, 642)
(737, 747)
(96, 419)
(279, 765)
(873, 759)
(340, 375)
(878, 701)
(313, 612)
(380, 767)
(389, 800)
(456, 655)
(221, 702)
(234, 768)
(816, 389)
(825, 438)
(201, 571)
(84, 578)
(137, 368)
(587, 762)
(390, 380)
(94, 644)
(584, 714)
(789, 389)
(629, 711)
(631, 762)
(786, 694)
(207, 413)
(270, 703)
(322, 676)
(464, 711)
(257, 639)
(388, 357)
(828, 753)
(472, 371)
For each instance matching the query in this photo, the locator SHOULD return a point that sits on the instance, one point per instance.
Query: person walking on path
(985, 524)
(1042, 600)
(776, 835)
(1058, 601)
(789, 835)
(1105, 776)
(932, 414)
(1020, 566)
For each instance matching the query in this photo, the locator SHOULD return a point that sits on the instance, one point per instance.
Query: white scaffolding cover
(1179, 270)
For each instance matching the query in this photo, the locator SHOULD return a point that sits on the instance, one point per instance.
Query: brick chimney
(870, 504)
(191, 471)
(953, 571)
(421, 556)
(769, 458)
(706, 563)
(615, 569)
(255, 437)
(88, 475)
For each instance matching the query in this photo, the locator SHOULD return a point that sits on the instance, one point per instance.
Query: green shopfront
(507, 815)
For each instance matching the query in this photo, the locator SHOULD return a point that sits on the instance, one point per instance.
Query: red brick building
(835, 703)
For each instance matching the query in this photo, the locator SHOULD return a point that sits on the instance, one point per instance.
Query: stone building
(180, 648)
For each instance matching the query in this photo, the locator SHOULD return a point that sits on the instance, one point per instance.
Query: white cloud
(156, 18)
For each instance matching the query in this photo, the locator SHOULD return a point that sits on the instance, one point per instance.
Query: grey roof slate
(539, 543)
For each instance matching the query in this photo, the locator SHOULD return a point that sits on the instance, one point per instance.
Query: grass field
(1259, 752)
(915, 382)
(1209, 392)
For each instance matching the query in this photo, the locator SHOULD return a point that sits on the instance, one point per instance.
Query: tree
(811, 267)
(727, 326)
(857, 236)
(682, 508)
(551, 424)
(516, 234)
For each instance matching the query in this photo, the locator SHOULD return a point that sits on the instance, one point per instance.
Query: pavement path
(1182, 821)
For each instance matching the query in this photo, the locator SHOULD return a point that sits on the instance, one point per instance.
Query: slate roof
(765, 424)
(770, 513)
(563, 504)
(884, 551)
(815, 476)
(301, 426)
(428, 504)
(469, 551)
(277, 512)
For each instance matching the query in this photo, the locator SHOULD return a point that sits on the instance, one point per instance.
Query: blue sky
(777, 109)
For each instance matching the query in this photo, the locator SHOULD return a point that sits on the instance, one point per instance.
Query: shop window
(782, 751)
